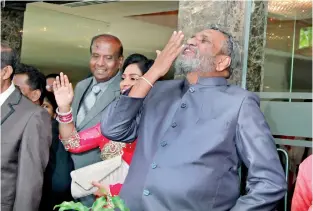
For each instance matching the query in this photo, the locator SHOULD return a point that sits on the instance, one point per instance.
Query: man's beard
(184, 65)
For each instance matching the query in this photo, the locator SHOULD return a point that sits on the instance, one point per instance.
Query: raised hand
(63, 92)
(166, 57)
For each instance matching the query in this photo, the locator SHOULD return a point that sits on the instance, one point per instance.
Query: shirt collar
(4, 96)
(212, 81)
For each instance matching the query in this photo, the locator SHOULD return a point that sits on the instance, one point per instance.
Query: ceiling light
(302, 9)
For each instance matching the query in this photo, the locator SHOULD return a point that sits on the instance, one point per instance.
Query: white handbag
(107, 172)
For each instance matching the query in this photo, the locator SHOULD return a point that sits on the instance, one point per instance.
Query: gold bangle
(146, 80)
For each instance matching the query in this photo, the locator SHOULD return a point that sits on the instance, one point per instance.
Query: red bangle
(64, 117)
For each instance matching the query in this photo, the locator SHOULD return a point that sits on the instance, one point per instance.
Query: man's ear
(6, 72)
(35, 95)
(223, 63)
(121, 61)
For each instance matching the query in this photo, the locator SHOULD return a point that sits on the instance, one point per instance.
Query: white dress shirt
(4, 96)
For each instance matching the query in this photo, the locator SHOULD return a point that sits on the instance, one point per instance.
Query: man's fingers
(172, 38)
(179, 50)
(176, 44)
(158, 52)
(180, 39)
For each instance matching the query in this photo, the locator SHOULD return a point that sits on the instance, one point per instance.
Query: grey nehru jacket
(191, 141)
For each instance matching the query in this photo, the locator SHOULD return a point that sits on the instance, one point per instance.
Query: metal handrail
(286, 174)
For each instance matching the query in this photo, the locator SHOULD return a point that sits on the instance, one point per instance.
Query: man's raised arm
(120, 120)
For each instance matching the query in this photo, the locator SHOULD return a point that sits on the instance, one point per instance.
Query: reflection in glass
(288, 53)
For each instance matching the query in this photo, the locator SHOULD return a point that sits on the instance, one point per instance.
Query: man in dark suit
(57, 181)
(94, 94)
(32, 84)
(25, 142)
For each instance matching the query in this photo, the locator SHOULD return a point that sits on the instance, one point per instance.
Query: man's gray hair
(230, 48)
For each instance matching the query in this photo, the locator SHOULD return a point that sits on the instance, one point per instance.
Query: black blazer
(57, 181)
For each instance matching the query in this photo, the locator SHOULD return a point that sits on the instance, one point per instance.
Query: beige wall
(57, 38)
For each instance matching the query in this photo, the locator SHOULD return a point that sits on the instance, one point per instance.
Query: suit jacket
(93, 117)
(191, 141)
(25, 144)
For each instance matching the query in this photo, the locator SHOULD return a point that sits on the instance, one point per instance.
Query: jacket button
(174, 124)
(146, 192)
(153, 165)
(183, 105)
(163, 143)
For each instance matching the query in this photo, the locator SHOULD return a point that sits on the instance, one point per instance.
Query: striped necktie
(87, 104)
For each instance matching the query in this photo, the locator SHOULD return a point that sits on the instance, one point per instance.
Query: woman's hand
(63, 92)
(102, 191)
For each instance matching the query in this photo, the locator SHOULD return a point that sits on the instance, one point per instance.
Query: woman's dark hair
(52, 75)
(143, 62)
(146, 65)
(49, 96)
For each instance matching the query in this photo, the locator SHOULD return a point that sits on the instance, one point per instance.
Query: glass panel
(286, 100)
(288, 53)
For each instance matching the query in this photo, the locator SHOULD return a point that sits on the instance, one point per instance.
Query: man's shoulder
(32, 108)
(84, 82)
(27, 105)
(165, 84)
(240, 93)
(26, 110)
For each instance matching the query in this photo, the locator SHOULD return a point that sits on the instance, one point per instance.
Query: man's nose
(192, 41)
(101, 62)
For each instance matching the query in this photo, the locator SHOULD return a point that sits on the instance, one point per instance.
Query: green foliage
(305, 40)
(98, 205)
(119, 203)
(71, 206)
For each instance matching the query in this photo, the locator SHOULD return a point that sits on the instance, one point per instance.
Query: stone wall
(257, 42)
(12, 27)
